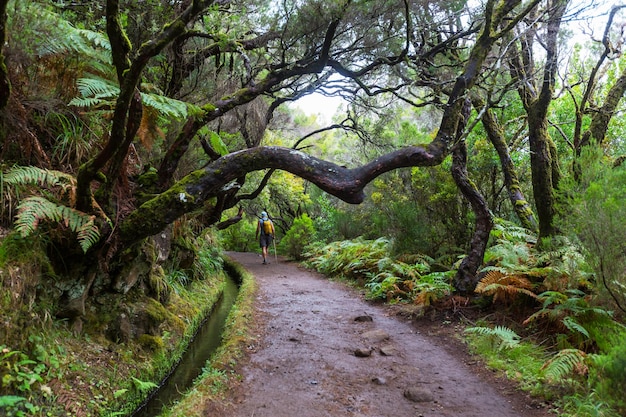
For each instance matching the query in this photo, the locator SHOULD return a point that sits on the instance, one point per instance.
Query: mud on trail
(319, 354)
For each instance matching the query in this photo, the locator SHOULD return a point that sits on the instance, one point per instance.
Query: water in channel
(205, 342)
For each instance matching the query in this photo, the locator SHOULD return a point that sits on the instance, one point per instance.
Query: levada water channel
(204, 343)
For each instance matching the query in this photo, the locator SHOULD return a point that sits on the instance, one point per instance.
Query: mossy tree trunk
(5, 84)
(496, 136)
(466, 278)
(536, 97)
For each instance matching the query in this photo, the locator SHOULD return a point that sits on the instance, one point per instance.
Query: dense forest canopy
(131, 116)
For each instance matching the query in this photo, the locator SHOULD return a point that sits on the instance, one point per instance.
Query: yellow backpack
(266, 226)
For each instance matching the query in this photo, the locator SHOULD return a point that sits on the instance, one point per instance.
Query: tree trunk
(543, 156)
(465, 280)
(541, 162)
(5, 84)
(522, 208)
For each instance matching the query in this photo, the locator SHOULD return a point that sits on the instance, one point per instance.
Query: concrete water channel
(204, 343)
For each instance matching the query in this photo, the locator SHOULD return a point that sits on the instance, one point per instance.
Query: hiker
(265, 228)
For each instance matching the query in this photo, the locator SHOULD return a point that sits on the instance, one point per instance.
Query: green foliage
(593, 210)
(608, 374)
(510, 245)
(384, 277)
(571, 313)
(239, 237)
(97, 92)
(502, 337)
(414, 209)
(143, 386)
(325, 222)
(34, 210)
(518, 359)
(514, 263)
(352, 259)
(26, 375)
(31, 175)
(208, 262)
(565, 363)
(298, 237)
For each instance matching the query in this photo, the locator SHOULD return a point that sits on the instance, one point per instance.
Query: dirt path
(312, 358)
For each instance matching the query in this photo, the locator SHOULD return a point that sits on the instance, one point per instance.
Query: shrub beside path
(324, 351)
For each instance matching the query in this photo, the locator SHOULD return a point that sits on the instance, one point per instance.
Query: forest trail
(312, 358)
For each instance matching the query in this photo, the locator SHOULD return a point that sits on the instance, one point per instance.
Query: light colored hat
(263, 215)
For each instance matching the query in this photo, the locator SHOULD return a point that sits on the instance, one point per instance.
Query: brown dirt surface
(318, 355)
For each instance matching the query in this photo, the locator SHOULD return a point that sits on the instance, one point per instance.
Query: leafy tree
(301, 234)
(596, 215)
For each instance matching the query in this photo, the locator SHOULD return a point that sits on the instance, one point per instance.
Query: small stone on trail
(362, 353)
(375, 336)
(388, 350)
(363, 319)
(418, 395)
(379, 380)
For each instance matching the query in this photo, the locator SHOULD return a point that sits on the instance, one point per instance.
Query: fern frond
(34, 210)
(505, 230)
(505, 336)
(574, 326)
(88, 234)
(167, 106)
(565, 362)
(504, 286)
(97, 39)
(31, 175)
(95, 89)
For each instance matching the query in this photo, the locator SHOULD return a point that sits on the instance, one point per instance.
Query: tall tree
(536, 95)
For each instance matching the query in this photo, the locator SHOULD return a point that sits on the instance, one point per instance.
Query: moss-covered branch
(190, 193)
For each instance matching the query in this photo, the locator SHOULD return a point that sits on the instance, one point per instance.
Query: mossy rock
(150, 342)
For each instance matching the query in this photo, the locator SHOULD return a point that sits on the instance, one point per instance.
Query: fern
(505, 337)
(24, 175)
(30, 175)
(165, 105)
(34, 210)
(504, 286)
(95, 90)
(574, 326)
(143, 386)
(566, 362)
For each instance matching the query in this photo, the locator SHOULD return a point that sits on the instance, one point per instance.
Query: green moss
(155, 310)
(148, 179)
(158, 284)
(152, 343)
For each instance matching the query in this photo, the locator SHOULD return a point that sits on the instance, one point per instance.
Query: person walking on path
(265, 228)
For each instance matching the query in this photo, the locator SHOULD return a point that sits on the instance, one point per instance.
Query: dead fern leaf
(505, 287)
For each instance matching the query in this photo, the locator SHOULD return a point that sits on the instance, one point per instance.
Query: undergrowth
(383, 277)
(47, 368)
(566, 346)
